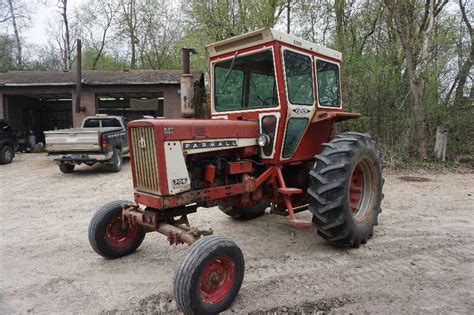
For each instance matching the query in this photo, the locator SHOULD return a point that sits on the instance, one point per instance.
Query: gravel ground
(419, 261)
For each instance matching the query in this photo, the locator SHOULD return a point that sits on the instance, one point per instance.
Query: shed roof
(93, 77)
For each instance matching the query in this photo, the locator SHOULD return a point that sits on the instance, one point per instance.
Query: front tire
(209, 276)
(346, 189)
(6, 155)
(109, 236)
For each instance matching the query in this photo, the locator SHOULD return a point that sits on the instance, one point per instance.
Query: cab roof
(266, 35)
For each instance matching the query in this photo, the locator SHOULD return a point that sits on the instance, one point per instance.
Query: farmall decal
(209, 144)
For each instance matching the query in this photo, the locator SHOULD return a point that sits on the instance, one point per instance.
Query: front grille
(144, 157)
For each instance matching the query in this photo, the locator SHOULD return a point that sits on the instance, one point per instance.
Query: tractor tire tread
(329, 187)
(95, 225)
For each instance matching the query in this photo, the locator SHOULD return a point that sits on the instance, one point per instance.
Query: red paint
(355, 190)
(118, 234)
(210, 173)
(315, 134)
(217, 279)
(240, 167)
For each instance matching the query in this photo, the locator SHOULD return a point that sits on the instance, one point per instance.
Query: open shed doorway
(131, 106)
(31, 115)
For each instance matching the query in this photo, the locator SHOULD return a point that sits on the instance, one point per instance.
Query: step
(290, 191)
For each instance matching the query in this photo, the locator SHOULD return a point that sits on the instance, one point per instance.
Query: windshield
(245, 82)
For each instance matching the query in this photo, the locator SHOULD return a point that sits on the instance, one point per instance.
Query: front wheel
(6, 154)
(110, 236)
(209, 276)
(346, 189)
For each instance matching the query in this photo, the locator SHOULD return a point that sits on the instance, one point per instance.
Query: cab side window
(299, 78)
(328, 83)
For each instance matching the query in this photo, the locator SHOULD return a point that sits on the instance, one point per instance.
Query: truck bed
(76, 139)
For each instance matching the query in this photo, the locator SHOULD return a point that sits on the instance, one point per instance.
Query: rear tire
(209, 276)
(107, 235)
(115, 162)
(346, 189)
(245, 213)
(6, 155)
(67, 168)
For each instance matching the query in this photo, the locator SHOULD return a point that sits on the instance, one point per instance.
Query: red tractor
(271, 143)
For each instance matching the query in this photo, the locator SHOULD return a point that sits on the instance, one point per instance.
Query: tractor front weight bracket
(178, 231)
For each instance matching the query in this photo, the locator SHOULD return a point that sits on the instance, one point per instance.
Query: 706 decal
(179, 182)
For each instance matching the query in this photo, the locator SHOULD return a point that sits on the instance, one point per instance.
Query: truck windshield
(247, 82)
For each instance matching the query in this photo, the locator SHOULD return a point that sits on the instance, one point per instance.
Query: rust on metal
(336, 115)
(240, 167)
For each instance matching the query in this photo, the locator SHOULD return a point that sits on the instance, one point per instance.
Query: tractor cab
(285, 83)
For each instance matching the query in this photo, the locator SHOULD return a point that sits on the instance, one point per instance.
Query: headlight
(263, 140)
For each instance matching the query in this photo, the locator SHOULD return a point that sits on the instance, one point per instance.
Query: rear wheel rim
(120, 235)
(217, 279)
(362, 189)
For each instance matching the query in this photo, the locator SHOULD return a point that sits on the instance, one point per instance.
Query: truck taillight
(104, 144)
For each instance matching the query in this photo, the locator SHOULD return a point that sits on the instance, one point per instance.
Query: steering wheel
(267, 101)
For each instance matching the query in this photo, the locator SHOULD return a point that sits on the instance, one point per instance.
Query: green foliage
(105, 62)
(149, 34)
(7, 55)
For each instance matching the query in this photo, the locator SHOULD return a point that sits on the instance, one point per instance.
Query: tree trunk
(441, 143)
(288, 16)
(467, 65)
(67, 39)
(339, 7)
(19, 58)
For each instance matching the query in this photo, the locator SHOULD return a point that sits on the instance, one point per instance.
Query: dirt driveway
(420, 259)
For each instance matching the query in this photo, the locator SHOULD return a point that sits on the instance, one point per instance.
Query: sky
(38, 34)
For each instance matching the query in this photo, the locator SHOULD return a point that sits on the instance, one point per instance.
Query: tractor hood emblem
(142, 143)
(301, 110)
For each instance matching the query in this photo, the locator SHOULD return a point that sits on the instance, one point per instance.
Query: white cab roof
(265, 35)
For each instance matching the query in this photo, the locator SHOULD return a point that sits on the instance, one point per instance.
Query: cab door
(299, 86)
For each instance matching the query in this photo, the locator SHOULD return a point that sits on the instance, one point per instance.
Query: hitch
(177, 231)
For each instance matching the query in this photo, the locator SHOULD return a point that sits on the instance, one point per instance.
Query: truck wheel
(115, 163)
(209, 276)
(246, 213)
(346, 189)
(109, 236)
(6, 155)
(66, 167)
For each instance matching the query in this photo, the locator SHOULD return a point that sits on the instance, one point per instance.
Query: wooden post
(441, 142)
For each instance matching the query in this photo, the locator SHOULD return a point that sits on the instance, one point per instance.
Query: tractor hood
(199, 129)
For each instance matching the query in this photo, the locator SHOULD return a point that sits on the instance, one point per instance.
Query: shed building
(45, 100)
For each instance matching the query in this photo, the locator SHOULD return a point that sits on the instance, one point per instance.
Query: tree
(416, 45)
(128, 27)
(17, 13)
(65, 36)
(7, 53)
(466, 67)
(97, 18)
(220, 19)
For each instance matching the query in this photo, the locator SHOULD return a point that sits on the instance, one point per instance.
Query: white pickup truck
(100, 139)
